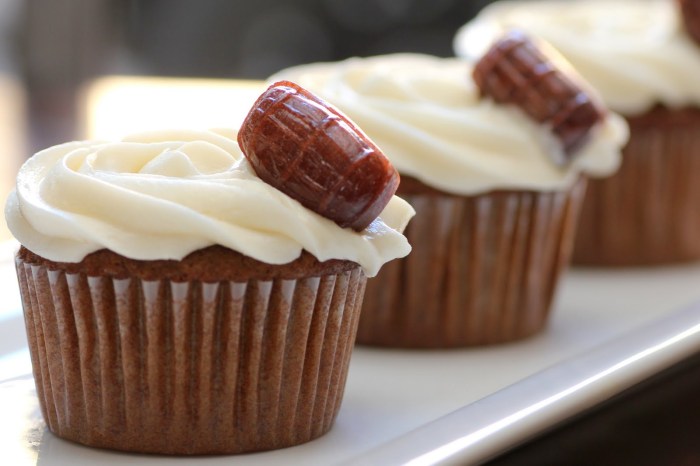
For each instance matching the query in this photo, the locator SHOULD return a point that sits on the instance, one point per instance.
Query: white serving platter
(609, 330)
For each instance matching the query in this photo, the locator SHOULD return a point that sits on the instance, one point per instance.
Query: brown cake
(217, 353)
(646, 213)
(494, 156)
(176, 303)
(484, 269)
(644, 64)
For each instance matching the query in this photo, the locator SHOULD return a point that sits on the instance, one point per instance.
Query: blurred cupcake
(495, 202)
(176, 303)
(644, 62)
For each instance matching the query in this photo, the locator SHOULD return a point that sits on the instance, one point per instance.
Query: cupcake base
(483, 269)
(646, 213)
(188, 367)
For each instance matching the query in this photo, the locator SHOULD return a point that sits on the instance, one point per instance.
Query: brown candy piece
(690, 12)
(515, 71)
(307, 149)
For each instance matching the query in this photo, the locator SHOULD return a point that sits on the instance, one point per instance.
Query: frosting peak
(163, 195)
(426, 115)
(636, 53)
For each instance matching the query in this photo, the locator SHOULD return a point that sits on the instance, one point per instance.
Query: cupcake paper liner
(647, 213)
(193, 367)
(483, 270)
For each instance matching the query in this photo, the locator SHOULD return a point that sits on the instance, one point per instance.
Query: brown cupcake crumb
(210, 264)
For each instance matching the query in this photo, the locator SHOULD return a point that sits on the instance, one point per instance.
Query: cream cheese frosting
(636, 53)
(163, 195)
(426, 115)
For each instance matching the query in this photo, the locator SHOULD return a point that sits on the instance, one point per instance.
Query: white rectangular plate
(609, 330)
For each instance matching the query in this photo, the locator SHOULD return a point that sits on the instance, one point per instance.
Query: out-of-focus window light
(116, 106)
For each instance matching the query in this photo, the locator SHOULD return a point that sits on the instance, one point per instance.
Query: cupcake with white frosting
(644, 63)
(176, 303)
(495, 212)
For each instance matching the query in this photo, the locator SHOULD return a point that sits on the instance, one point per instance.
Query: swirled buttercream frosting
(636, 53)
(164, 195)
(427, 116)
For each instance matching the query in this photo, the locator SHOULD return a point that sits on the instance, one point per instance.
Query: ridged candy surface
(309, 150)
(515, 71)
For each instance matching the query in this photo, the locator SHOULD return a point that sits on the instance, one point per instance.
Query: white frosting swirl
(636, 53)
(163, 195)
(426, 115)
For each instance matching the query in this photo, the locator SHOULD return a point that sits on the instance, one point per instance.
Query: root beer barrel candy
(307, 149)
(690, 12)
(515, 71)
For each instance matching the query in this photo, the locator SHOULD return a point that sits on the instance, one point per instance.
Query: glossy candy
(690, 12)
(515, 71)
(309, 150)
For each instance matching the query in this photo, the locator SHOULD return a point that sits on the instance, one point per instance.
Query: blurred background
(55, 47)
(54, 53)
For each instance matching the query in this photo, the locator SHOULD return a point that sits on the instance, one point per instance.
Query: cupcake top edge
(163, 195)
(636, 53)
(428, 116)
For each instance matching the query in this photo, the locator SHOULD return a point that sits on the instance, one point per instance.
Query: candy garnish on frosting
(307, 149)
(690, 13)
(514, 70)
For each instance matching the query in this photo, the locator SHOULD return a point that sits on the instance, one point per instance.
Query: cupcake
(641, 57)
(495, 194)
(176, 303)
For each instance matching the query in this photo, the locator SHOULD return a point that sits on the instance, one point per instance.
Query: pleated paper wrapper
(483, 270)
(648, 212)
(189, 368)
